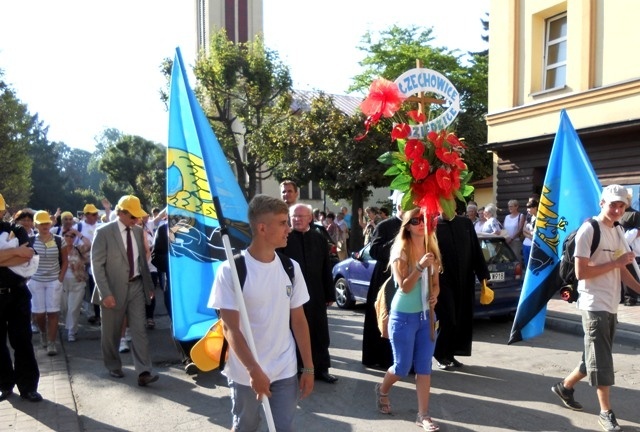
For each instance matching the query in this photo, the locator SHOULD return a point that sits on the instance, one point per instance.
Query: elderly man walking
(123, 287)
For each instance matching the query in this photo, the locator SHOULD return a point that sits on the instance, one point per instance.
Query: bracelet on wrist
(308, 371)
(420, 269)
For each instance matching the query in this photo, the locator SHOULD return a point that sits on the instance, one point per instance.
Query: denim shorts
(410, 336)
(246, 409)
(597, 360)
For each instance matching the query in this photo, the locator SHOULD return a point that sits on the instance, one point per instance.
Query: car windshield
(496, 251)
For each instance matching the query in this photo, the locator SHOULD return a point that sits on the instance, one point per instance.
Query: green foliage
(17, 129)
(135, 166)
(49, 191)
(245, 91)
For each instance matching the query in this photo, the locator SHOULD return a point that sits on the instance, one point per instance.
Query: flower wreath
(430, 170)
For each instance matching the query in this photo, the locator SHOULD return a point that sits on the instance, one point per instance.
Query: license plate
(497, 276)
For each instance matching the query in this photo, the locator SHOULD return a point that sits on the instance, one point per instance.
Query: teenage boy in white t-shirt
(272, 301)
(599, 277)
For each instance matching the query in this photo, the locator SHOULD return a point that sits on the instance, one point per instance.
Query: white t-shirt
(601, 293)
(269, 298)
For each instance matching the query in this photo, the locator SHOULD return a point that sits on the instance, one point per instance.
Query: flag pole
(242, 308)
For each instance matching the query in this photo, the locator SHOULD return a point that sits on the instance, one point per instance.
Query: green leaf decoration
(386, 158)
(402, 182)
(393, 170)
(407, 201)
(467, 190)
(448, 207)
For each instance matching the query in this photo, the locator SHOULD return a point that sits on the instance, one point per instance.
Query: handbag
(381, 306)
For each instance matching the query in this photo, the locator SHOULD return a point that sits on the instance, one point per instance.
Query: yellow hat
(90, 208)
(66, 214)
(131, 204)
(42, 217)
(3, 205)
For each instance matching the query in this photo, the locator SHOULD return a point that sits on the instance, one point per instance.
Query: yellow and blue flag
(570, 195)
(204, 202)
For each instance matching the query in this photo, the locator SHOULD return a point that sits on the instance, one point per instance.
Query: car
(351, 278)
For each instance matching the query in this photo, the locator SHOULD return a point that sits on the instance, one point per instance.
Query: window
(555, 55)
(310, 193)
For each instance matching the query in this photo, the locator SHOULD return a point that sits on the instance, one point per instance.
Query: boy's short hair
(264, 204)
(289, 182)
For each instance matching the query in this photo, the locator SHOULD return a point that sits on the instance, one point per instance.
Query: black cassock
(376, 350)
(462, 261)
(311, 251)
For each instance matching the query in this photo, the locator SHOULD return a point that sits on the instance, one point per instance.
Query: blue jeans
(410, 336)
(246, 409)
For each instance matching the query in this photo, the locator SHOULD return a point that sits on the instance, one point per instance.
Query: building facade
(549, 55)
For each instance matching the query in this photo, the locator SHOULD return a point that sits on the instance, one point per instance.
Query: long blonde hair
(402, 243)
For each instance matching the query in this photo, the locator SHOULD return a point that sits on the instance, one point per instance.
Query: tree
(135, 166)
(17, 130)
(49, 192)
(244, 89)
(394, 51)
(321, 147)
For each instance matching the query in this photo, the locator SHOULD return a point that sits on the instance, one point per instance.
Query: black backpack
(241, 268)
(567, 267)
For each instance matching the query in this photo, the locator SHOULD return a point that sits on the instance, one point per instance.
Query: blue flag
(570, 195)
(204, 200)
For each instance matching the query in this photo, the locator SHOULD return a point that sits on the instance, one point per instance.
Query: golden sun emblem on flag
(190, 188)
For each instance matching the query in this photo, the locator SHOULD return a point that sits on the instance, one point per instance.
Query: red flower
(417, 116)
(426, 195)
(454, 141)
(414, 149)
(384, 99)
(420, 168)
(448, 156)
(446, 182)
(400, 131)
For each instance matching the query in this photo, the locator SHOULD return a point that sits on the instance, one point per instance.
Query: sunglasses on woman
(416, 220)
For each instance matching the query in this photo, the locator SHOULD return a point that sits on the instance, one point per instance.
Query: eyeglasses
(70, 235)
(129, 214)
(416, 220)
(91, 214)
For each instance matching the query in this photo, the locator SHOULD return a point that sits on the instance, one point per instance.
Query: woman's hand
(427, 260)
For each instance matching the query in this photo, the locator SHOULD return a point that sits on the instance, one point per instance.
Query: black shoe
(4, 394)
(326, 377)
(456, 363)
(566, 396)
(32, 396)
(116, 373)
(444, 364)
(146, 378)
(191, 368)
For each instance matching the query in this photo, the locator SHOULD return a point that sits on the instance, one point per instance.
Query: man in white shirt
(274, 309)
(599, 276)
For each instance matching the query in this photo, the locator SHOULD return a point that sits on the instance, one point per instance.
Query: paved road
(500, 388)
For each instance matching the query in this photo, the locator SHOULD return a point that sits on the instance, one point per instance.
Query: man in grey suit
(123, 287)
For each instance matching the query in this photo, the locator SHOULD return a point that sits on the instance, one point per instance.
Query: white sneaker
(51, 349)
(127, 334)
(34, 328)
(124, 346)
(71, 337)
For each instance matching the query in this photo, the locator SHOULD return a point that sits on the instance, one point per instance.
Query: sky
(84, 66)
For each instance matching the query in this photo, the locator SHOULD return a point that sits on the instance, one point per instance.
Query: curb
(626, 334)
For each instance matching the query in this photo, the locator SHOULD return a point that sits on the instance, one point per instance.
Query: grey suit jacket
(110, 265)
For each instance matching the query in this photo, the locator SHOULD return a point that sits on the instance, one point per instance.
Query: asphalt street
(500, 388)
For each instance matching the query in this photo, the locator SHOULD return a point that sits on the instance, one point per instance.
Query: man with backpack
(599, 274)
(274, 310)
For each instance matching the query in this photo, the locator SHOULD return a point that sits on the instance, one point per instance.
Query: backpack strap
(288, 265)
(58, 241)
(595, 242)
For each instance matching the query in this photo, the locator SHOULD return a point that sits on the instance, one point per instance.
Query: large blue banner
(203, 199)
(570, 195)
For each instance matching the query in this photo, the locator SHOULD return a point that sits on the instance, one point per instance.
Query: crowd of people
(112, 261)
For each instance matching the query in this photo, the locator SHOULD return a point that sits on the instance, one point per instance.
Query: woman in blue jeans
(415, 263)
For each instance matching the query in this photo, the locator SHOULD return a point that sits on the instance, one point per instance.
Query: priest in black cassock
(462, 262)
(376, 350)
(310, 249)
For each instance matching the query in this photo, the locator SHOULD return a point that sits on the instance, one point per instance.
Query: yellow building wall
(603, 69)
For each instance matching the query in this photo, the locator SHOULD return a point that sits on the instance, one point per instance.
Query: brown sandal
(384, 408)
